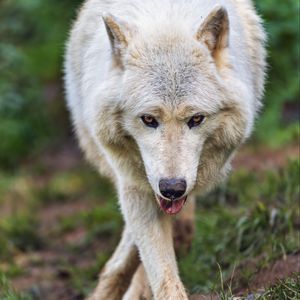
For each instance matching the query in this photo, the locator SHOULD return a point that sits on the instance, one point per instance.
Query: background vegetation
(253, 217)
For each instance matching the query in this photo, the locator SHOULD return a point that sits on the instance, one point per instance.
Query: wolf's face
(175, 106)
(171, 107)
(170, 142)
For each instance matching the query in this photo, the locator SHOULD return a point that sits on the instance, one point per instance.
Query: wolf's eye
(149, 121)
(196, 120)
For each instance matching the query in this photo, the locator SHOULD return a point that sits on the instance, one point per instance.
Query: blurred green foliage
(20, 231)
(32, 37)
(281, 20)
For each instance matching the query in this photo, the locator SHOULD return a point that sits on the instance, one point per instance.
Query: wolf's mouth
(171, 207)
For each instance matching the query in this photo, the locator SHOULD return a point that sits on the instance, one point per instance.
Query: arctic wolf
(161, 93)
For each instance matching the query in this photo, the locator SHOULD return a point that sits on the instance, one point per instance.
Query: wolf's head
(180, 104)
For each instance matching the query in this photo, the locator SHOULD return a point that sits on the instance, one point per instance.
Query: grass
(253, 215)
(240, 221)
(7, 292)
(286, 289)
(20, 231)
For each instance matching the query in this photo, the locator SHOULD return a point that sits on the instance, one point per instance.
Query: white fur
(156, 65)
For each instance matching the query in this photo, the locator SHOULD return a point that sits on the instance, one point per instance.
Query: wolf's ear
(119, 35)
(214, 31)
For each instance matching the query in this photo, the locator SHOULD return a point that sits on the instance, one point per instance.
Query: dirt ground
(44, 272)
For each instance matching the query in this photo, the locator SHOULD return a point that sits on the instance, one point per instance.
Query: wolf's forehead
(172, 73)
(170, 64)
(171, 80)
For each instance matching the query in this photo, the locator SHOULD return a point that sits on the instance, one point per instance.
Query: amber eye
(196, 120)
(149, 121)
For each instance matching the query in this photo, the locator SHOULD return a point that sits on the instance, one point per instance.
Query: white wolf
(162, 93)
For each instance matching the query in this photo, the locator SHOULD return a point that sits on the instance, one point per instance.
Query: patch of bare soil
(47, 273)
(262, 279)
(268, 276)
(51, 214)
(262, 158)
(66, 158)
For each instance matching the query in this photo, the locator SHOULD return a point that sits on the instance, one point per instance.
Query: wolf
(162, 93)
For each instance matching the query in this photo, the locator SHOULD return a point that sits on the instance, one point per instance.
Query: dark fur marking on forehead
(172, 80)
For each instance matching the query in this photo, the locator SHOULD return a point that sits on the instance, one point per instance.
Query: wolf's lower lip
(171, 207)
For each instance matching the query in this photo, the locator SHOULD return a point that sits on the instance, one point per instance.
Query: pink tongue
(172, 207)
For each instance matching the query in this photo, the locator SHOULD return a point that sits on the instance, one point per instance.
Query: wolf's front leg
(118, 271)
(139, 287)
(183, 233)
(152, 233)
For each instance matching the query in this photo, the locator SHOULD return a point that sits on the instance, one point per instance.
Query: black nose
(172, 188)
